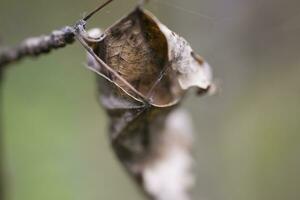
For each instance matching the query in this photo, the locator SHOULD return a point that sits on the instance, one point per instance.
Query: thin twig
(35, 46)
(97, 10)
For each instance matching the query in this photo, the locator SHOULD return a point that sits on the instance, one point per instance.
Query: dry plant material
(145, 70)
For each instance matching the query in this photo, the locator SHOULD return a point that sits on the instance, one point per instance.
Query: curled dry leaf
(147, 69)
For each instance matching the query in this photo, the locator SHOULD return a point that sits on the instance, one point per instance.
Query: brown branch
(35, 46)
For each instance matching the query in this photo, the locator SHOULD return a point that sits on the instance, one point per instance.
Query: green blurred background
(247, 135)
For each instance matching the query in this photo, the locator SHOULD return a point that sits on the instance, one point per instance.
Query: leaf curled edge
(192, 70)
(156, 62)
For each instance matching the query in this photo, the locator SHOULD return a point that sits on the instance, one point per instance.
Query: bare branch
(35, 46)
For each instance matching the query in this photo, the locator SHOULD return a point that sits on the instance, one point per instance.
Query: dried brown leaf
(147, 69)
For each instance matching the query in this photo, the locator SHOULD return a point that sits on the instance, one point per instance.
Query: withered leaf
(147, 69)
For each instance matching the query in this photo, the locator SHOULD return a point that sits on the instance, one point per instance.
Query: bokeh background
(247, 135)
